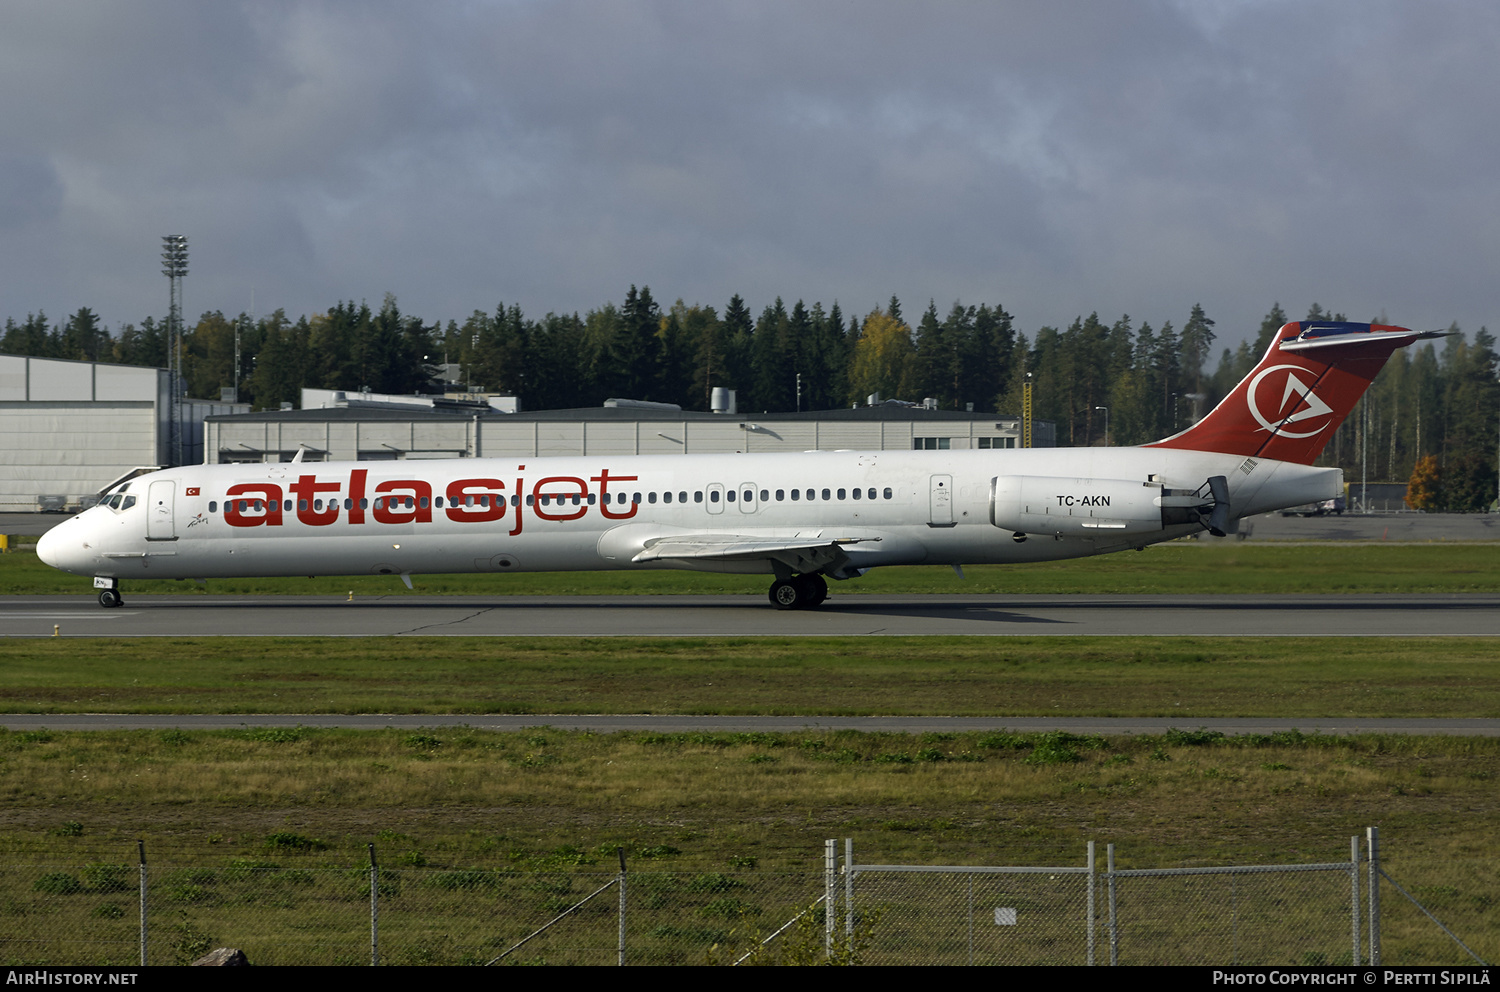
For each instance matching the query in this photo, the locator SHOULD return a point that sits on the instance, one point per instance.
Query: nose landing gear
(800, 592)
(109, 592)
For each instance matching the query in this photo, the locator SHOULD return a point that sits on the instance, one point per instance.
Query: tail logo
(1293, 386)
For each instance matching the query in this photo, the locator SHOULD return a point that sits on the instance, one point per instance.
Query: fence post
(374, 910)
(621, 852)
(849, 891)
(1372, 846)
(1093, 881)
(141, 847)
(1354, 894)
(830, 892)
(1114, 927)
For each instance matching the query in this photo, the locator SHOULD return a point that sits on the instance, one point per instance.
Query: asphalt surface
(1468, 615)
(1126, 726)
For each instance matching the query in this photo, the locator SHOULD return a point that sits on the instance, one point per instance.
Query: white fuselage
(608, 512)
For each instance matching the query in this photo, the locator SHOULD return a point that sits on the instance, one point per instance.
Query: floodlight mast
(174, 259)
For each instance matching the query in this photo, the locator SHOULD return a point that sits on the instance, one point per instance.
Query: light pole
(174, 259)
(1106, 423)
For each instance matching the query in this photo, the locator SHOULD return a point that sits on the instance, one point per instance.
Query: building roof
(886, 413)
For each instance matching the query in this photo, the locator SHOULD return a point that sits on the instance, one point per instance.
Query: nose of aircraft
(64, 547)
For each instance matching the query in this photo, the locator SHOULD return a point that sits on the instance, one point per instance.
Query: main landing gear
(800, 592)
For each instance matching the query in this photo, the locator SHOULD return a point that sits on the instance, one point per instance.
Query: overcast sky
(1057, 157)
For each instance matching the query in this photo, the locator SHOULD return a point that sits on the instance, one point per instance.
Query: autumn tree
(881, 357)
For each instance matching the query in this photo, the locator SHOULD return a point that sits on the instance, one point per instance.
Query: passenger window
(729, 496)
(812, 494)
(636, 497)
(650, 497)
(423, 502)
(698, 496)
(713, 496)
(213, 506)
(856, 494)
(780, 495)
(872, 493)
(827, 494)
(666, 497)
(682, 497)
(841, 494)
(887, 493)
(796, 495)
(765, 494)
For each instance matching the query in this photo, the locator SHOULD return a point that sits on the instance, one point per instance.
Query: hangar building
(368, 430)
(72, 428)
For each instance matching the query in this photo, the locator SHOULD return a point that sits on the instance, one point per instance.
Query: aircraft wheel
(110, 598)
(814, 587)
(786, 595)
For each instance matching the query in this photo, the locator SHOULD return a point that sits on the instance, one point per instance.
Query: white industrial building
(364, 429)
(68, 429)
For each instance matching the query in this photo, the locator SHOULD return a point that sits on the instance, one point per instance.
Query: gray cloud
(1056, 158)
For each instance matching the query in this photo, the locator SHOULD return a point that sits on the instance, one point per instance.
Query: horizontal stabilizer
(1398, 338)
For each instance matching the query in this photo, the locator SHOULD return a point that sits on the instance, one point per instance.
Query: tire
(110, 598)
(814, 587)
(786, 595)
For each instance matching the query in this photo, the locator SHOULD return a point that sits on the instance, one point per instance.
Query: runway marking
(62, 616)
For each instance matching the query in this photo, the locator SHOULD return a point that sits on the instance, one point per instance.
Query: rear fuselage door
(940, 503)
(160, 523)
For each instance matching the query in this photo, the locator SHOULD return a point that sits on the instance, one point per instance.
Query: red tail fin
(1307, 383)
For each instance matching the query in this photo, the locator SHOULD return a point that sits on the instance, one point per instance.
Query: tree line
(1430, 416)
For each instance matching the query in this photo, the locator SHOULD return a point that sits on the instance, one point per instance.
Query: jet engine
(1055, 506)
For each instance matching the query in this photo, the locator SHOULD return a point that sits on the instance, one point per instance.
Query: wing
(809, 554)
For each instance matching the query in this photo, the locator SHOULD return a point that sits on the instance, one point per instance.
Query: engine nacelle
(1034, 504)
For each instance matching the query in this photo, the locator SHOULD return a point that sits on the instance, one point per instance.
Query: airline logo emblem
(1295, 396)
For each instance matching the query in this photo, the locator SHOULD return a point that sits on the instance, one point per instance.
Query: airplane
(802, 518)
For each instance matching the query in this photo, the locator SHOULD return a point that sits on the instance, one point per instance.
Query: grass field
(1191, 678)
(1178, 568)
(750, 810)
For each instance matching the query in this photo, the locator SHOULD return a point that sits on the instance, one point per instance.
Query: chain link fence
(1084, 913)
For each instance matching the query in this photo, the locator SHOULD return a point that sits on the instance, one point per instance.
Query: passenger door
(161, 524)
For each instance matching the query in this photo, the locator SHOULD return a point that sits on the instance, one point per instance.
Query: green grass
(255, 837)
(1178, 568)
(1188, 677)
